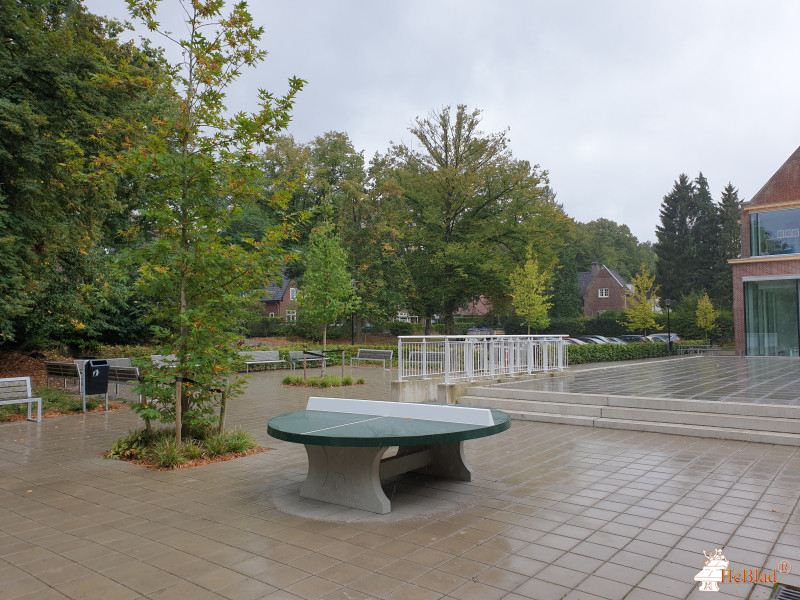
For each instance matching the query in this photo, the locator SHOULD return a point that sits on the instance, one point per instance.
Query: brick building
(279, 298)
(766, 278)
(602, 289)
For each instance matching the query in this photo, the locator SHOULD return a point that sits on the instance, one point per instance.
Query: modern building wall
(779, 261)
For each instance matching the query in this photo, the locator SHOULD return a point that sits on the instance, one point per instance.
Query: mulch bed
(193, 463)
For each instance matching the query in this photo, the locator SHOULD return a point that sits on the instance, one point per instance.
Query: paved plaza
(762, 380)
(554, 511)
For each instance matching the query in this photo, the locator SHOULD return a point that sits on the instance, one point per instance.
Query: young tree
(706, 315)
(195, 171)
(639, 316)
(469, 208)
(529, 294)
(326, 293)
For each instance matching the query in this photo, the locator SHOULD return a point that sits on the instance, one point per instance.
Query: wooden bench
(345, 440)
(63, 370)
(17, 390)
(261, 357)
(297, 356)
(381, 356)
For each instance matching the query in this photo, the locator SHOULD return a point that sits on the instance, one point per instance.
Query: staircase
(769, 423)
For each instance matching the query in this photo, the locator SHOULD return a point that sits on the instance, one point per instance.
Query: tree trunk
(223, 405)
(427, 325)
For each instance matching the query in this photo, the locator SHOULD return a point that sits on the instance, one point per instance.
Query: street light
(668, 303)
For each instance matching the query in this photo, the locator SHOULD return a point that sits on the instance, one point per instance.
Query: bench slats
(17, 390)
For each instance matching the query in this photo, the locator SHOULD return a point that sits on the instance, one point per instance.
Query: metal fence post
(447, 360)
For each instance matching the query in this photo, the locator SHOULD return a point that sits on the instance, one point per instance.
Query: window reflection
(775, 232)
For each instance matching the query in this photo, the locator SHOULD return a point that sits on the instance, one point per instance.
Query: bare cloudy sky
(614, 98)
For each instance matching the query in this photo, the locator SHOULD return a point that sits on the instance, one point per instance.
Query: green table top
(320, 428)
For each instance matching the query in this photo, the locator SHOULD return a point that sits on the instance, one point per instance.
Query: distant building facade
(279, 298)
(602, 289)
(766, 278)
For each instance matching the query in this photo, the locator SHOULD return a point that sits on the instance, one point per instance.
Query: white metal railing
(471, 357)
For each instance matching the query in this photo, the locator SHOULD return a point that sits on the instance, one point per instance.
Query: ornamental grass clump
(159, 449)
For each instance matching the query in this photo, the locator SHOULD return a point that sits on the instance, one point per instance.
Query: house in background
(602, 289)
(766, 278)
(279, 298)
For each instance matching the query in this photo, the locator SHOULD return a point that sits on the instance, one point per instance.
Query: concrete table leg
(446, 460)
(346, 476)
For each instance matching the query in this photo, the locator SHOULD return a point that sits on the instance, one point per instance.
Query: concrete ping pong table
(346, 439)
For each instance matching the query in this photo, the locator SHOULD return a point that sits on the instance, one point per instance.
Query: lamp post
(668, 303)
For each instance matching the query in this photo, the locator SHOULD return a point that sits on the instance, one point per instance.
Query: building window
(600, 312)
(775, 232)
(771, 318)
(291, 315)
(272, 314)
(292, 294)
(602, 293)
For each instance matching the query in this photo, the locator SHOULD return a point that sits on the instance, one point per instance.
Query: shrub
(225, 442)
(398, 328)
(167, 453)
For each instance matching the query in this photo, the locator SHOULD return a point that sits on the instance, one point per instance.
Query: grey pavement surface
(764, 380)
(554, 511)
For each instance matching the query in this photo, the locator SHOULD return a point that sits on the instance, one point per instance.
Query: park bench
(17, 390)
(63, 370)
(346, 439)
(261, 357)
(382, 356)
(297, 356)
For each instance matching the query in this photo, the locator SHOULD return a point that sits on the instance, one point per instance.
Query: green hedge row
(607, 352)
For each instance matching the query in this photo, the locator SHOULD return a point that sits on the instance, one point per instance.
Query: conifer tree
(705, 249)
(674, 238)
(730, 244)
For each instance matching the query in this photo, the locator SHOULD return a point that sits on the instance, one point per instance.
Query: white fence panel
(468, 358)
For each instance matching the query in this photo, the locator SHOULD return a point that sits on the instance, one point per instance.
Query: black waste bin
(95, 373)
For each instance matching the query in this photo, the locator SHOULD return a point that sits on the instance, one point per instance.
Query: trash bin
(95, 377)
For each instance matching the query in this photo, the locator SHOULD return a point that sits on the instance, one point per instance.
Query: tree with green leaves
(613, 245)
(195, 171)
(326, 293)
(529, 294)
(639, 315)
(72, 99)
(706, 315)
(468, 210)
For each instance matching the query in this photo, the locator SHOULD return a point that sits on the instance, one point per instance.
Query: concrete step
(782, 411)
(774, 424)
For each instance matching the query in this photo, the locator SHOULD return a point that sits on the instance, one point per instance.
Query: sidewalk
(554, 511)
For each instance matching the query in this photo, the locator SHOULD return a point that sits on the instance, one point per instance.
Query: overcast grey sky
(613, 98)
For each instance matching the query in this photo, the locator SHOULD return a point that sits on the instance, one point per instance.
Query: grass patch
(321, 382)
(55, 402)
(158, 448)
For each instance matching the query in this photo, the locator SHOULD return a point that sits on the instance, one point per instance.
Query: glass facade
(771, 317)
(775, 232)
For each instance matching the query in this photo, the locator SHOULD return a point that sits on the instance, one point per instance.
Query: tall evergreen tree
(705, 238)
(730, 244)
(674, 242)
